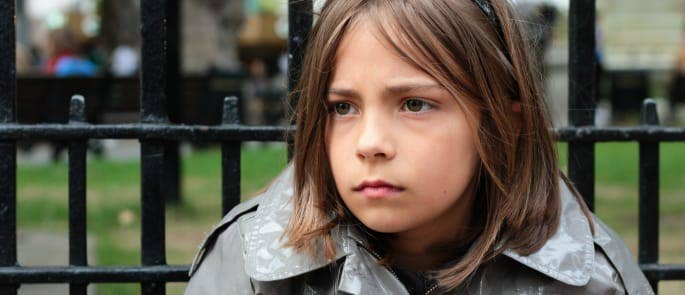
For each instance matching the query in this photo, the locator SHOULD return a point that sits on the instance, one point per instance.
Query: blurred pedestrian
(65, 59)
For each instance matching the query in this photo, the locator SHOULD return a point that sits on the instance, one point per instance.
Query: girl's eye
(344, 108)
(416, 105)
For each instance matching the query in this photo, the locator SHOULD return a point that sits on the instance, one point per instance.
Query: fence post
(300, 18)
(153, 111)
(172, 158)
(8, 148)
(649, 192)
(78, 253)
(581, 108)
(230, 159)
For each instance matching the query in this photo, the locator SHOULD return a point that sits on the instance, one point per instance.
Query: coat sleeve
(222, 271)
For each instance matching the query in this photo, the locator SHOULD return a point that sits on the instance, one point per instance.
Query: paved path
(43, 248)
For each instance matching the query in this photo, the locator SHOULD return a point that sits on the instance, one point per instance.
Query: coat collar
(265, 258)
(568, 256)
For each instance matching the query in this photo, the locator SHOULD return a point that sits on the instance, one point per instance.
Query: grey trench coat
(243, 255)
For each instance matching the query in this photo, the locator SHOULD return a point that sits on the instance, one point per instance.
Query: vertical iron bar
(153, 110)
(230, 159)
(581, 109)
(8, 78)
(300, 18)
(78, 254)
(649, 193)
(172, 163)
(8, 149)
(299, 24)
(153, 74)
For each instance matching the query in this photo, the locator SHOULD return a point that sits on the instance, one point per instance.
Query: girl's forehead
(372, 31)
(365, 51)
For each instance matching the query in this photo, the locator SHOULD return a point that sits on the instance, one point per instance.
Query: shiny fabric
(243, 255)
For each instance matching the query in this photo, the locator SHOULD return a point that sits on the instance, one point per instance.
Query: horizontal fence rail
(217, 133)
(236, 132)
(93, 274)
(179, 273)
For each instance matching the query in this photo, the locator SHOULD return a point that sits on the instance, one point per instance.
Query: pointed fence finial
(649, 115)
(230, 113)
(77, 109)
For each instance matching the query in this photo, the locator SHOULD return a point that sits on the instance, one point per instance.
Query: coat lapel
(265, 257)
(362, 275)
(568, 256)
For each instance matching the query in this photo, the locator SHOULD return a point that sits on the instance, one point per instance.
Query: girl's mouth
(377, 189)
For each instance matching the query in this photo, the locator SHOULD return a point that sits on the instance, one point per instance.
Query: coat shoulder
(228, 221)
(505, 275)
(219, 268)
(619, 259)
(607, 268)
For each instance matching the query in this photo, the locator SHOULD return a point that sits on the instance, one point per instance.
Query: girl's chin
(383, 226)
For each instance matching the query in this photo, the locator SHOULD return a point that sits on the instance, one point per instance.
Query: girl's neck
(420, 253)
(432, 245)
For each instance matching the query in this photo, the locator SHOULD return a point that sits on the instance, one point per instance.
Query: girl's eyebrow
(389, 90)
(404, 88)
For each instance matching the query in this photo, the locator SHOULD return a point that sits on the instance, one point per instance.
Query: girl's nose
(374, 141)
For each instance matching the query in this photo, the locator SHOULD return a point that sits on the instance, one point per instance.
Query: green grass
(617, 178)
(114, 201)
(113, 190)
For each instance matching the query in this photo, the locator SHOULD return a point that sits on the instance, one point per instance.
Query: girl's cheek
(423, 123)
(341, 126)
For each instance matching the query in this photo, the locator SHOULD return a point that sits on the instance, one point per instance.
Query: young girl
(424, 164)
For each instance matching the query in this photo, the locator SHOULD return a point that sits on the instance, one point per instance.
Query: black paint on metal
(8, 80)
(153, 58)
(179, 273)
(581, 108)
(8, 148)
(77, 195)
(300, 19)
(663, 272)
(625, 134)
(649, 193)
(144, 132)
(241, 133)
(152, 210)
(172, 157)
(153, 111)
(93, 274)
(230, 159)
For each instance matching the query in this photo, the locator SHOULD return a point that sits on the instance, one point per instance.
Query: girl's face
(399, 145)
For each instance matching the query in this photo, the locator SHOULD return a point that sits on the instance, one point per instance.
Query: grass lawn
(114, 205)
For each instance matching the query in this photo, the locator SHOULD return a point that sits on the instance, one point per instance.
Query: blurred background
(92, 47)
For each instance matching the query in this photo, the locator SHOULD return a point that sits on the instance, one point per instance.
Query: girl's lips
(376, 189)
(379, 192)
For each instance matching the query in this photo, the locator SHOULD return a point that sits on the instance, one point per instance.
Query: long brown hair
(485, 66)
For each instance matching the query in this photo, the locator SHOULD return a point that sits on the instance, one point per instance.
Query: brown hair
(485, 65)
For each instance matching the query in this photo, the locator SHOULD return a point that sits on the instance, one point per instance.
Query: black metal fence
(157, 136)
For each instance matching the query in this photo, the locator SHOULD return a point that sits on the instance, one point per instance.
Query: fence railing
(157, 137)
